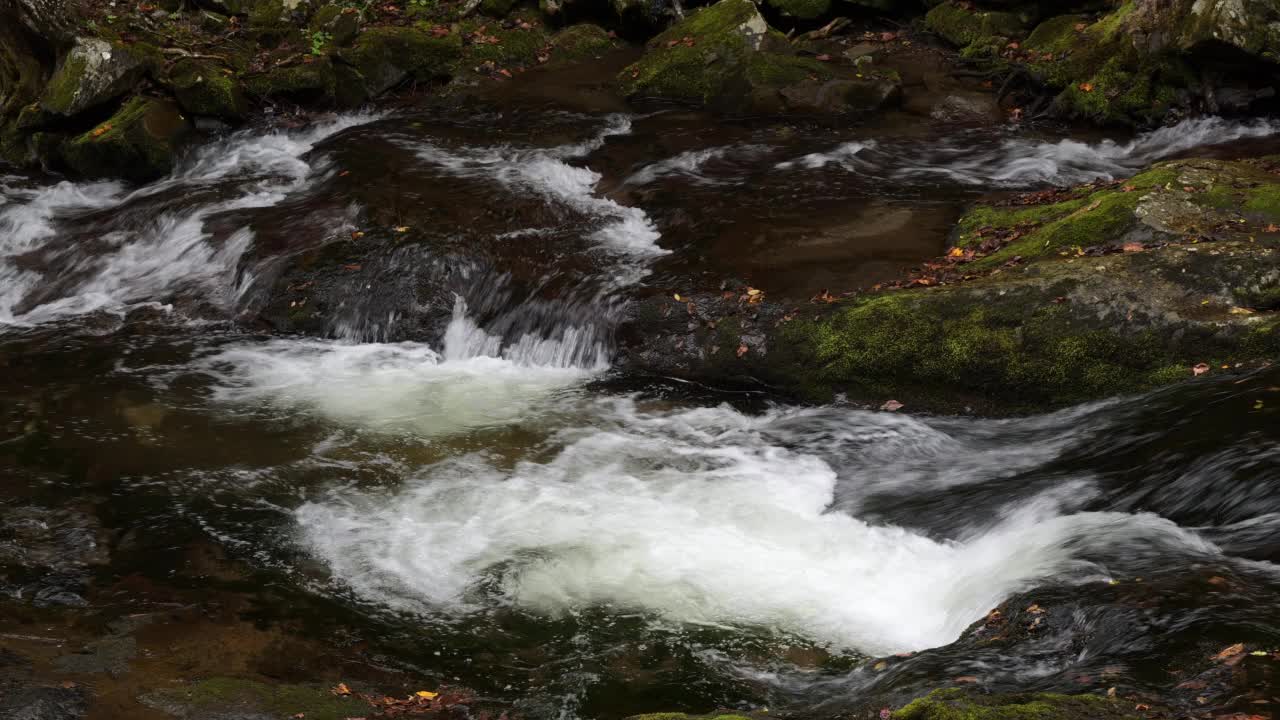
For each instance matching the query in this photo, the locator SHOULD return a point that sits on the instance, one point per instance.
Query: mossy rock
(205, 88)
(966, 27)
(227, 697)
(954, 704)
(1173, 199)
(1102, 74)
(515, 46)
(386, 56)
(92, 74)
(337, 23)
(138, 142)
(727, 57)
(581, 41)
(307, 83)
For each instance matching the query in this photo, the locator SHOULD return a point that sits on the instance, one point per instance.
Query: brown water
(450, 487)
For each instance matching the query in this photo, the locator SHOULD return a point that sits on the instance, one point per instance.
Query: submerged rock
(727, 57)
(1064, 314)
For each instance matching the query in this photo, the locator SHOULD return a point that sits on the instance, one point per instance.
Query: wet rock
(954, 702)
(385, 57)
(139, 142)
(237, 699)
(92, 74)
(340, 24)
(965, 26)
(203, 88)
(966, 107)
(727, 57)
(581, 41)
(1053, 320)
(43, 703)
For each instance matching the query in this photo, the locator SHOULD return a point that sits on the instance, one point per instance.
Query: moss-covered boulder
(138, 142)
(386, 56)
(955, 704)
(518, 42)
(727, 57)
(577, 42)
(1107, 290)
(973, 29)
(93, 73)
(315, 81)
(204, 88)
(336, 24)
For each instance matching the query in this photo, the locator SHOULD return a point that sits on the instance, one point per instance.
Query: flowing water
(480, 500)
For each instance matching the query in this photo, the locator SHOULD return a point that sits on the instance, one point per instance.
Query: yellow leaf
(678, 298)
(402, 229)
(956, 252)
(426, 695)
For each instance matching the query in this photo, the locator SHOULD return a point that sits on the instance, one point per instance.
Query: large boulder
(1106, 291)
(139, 142)
(91, 75)
(727, 57)
(387, 56)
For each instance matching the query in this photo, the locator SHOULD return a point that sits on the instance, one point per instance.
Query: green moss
(803, 9)
(684, 716)
(1264, 200)
(202, 88)
(229, 695)
(137, 142)
(964, 27)
(412, 50)
(729, 60)
(581, 41)
(515, 46)
(304, 82)
(1017, 347)
(1096, 218)
(60, 93)
(953, 704)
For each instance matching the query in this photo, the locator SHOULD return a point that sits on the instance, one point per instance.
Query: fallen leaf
(892, 406)
(356, 234)
(742, 350)
(1132, 247)
(1259, 653)
(352, 266)
(440, 31)
(1086, 87)
(1200, 369)
(1035, 609)
(1273, 228)
(1081, 26)
(880, 666)
(956, 252)
(966, 679)
(1141, 706)
(505, 72)
(1129, 188)
(344, 173)
(426, 694)
(101, 130)
(341, 689)
(1231, 651)
(1111, 692)
(402, 229)
(888, 36)
(677, 297)
(885, 713)
(823, 58)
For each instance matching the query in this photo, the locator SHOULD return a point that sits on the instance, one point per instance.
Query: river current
(489, 503)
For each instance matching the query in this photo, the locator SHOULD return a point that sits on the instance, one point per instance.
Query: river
(450, 481)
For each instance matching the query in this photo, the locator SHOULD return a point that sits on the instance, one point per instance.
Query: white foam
(406, 387)
(1022, 162)
(843, 154)
(696, 517)
(162, 254)
(545, 171)
(689, 165)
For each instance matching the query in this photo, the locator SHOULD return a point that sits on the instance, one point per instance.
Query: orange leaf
(742, 350)
(1133, 247)
(1086, 87)
(1198, 370)
(823, 58)
(101, 130)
